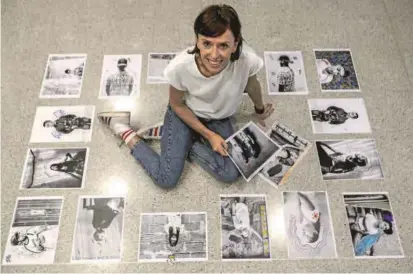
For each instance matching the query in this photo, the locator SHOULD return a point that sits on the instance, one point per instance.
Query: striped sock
(128, 135)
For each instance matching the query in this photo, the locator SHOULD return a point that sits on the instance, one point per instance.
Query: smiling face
(215, 52)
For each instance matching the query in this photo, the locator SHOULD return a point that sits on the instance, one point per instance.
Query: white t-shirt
(218, 96)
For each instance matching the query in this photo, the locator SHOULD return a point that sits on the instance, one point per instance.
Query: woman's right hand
(218, 144)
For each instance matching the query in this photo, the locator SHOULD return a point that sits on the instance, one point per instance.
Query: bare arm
(182, 110)
(254, 91)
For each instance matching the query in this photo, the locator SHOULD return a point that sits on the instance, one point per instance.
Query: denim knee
(167, 182)
(230, 174)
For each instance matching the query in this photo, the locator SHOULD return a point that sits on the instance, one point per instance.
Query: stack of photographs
(282, 163)
(272, 155)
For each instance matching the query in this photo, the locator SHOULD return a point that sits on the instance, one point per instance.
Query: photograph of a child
(336, 70)
(250, 148)
(308, 225)
(372, 225)
(285, 73)
(244, 228)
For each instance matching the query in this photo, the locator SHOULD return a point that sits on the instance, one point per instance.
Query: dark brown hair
(214, 20)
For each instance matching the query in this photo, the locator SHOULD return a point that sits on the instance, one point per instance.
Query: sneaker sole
(114, 114)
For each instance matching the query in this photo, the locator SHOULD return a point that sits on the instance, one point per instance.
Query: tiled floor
(379, 33)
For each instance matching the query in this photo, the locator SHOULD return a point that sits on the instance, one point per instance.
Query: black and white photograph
(250, 148)
(336, 70)
(121, 76)
(99, 229)
(157, 62)
(54, 168)
(356, 159)
(372, 225)
(335, 116)
(285, 73)
(63, 76)
(244, 228)
(308, 225)
(292, 150)
(59, 124)
(173, 237)
(34, 231)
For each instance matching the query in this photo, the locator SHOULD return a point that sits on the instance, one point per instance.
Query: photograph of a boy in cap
(121, 82)
(285, 73)
(120, 75)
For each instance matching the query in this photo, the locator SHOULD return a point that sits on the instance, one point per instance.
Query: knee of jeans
(230, 174)
(167, 182)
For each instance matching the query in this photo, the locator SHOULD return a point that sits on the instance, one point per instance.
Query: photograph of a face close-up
(202, 136)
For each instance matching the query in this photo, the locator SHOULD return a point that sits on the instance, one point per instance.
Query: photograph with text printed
(99, 229)
(244, 228)
(157, 62)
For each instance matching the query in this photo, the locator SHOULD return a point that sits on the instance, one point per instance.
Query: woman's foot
(119, 123)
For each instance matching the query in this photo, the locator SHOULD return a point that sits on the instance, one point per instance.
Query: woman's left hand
(260, 118)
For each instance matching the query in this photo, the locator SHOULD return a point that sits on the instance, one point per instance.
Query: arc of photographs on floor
(372, 225)
(121, 76)
(244, 227)
(47, 168)
(353, 159)
(250, 149)
(157, 62)
(98, 234)
(34, 231)
(339, 115)
(308, 225)
(61, 124)
(336, 70)
(285, 73)
(293, 148)
(63, 76)
(173, 237)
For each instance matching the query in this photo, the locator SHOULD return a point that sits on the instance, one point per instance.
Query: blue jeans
(179, 142)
